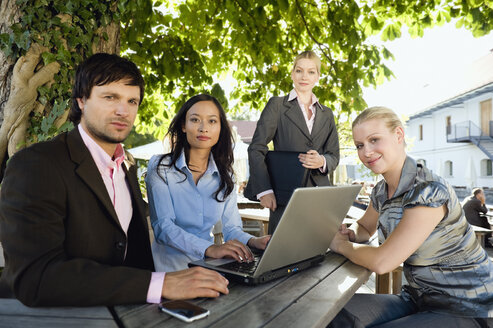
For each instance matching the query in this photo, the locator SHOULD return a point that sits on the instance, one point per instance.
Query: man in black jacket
(474, 207)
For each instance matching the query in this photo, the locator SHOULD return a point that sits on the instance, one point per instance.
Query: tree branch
(22, 100)
(320, 45)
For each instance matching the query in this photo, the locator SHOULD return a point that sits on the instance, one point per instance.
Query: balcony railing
(464, 131)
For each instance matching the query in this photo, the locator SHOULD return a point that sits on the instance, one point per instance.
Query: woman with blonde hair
(420, 223)
(298, 123)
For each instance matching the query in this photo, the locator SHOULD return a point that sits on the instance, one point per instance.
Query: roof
(245, 129)
(476, 79)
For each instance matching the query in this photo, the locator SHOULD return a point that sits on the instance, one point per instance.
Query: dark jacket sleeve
(43, 267)
(259, 180)
(331, 146)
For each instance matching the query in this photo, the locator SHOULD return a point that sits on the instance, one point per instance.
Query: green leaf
(283, 5)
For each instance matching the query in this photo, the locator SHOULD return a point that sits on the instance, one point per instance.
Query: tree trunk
(9, 14)
(112, 45)
(18, 74)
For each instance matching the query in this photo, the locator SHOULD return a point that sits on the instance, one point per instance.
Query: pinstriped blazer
(283, 123)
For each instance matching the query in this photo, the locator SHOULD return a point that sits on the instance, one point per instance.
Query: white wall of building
(434, 149)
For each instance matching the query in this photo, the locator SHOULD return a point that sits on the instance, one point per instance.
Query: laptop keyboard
(243, 267)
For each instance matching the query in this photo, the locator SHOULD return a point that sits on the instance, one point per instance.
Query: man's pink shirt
(118, 189)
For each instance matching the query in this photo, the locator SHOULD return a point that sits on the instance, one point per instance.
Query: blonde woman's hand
(269, 201)
(343, 229)
(312, 159)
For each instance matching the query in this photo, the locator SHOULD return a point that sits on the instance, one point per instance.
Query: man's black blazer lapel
(88, 171)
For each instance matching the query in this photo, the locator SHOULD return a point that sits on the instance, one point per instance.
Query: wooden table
(310, 298)
(243, 202)
(257, 215)
(481, 233)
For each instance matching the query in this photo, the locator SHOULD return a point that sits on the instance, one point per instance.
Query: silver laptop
(311, 219)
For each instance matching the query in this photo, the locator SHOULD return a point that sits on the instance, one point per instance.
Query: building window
(422, 162)
(486, 168)
(421, 132)
(448, 121)
(449, 169)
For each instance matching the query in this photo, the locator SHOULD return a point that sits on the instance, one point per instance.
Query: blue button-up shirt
(183, 214)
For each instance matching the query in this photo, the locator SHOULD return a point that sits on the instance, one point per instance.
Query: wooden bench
(389, 283)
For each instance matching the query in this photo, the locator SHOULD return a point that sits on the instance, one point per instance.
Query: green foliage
(182, 47)
(43, 128)
(68, 28)
(185, 45)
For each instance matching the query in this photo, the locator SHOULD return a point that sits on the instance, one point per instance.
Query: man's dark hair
(476, 191)
(101, 69)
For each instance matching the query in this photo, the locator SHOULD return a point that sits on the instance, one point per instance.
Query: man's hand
(192, 283)
(232, 248)
(269, 201)
(259, 242)
(482, 198)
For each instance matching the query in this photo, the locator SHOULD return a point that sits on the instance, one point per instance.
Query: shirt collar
(101, 158)
(181, 163)
(408, 177)
(293, 95)
(406, 181)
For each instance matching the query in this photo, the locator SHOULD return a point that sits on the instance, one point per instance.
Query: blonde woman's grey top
(450, 272)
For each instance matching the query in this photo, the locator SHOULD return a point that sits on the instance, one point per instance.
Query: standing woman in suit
(191, 189)
(296, 122)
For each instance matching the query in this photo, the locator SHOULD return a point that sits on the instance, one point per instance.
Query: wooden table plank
(322, 303)
(54, 322)
(275, 300)
(255, 214)
(144, 316)
(14, 314)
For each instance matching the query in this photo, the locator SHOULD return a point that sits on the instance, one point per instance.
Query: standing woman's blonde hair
(308, 55)
(390, 118)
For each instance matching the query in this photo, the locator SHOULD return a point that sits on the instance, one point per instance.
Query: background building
(454, 137)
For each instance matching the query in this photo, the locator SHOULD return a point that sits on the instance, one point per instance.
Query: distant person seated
(72, 219)
(474, 206)
(191, 189)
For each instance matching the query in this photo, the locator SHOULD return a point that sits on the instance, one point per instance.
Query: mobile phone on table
(183, 310)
